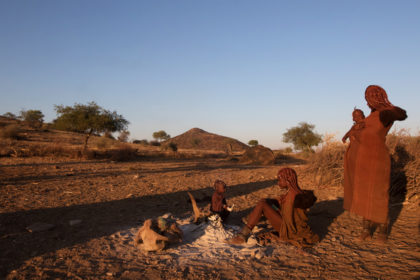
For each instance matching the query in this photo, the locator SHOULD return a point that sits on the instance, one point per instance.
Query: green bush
(171, 146)
(10, 116)
(154, 143)
(253, 143)
(34, 118)
(142, 142)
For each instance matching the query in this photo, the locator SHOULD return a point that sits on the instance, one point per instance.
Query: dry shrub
(154, 143)
(13, 148)
(142, 142)
(123, 152)
(405, 165)
(10, 131)
(104, 142)
(55, 149)
(325, 167)
(170, 147)
(90, 154)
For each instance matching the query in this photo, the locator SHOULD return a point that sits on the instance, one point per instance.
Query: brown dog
(154, 235)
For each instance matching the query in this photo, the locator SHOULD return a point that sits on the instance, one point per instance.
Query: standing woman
(372, 170)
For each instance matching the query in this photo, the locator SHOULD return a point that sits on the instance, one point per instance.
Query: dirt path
(96, 207)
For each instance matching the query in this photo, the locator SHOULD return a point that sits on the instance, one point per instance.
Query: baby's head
(358, 115)
(219, 186)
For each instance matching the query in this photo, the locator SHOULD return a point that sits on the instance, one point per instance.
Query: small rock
(109, 274)
(37, 227)
(252, 241)
(259, 255)
(74, 222)
(321, 250)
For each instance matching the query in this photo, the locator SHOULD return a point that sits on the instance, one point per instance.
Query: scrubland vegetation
(324, 166)
(49, 176)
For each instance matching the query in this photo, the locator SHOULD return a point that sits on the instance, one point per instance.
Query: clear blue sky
(244, 69)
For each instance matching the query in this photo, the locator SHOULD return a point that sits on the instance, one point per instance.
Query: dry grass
(405, 163)
(326, 168)
(13, 149)
(124, 152)
(104, 142)
(323, 168)
(10, 131)
(24, 141)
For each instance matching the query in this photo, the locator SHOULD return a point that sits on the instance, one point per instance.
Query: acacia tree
(253, 143)
(161, 135)
(88, 119)
(34, 118)
(10, 116)
(302, 137)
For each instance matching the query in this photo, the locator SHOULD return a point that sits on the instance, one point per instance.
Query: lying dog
(155, 234)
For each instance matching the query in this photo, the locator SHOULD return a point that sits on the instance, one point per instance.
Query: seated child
(218, 201)
(359, 123)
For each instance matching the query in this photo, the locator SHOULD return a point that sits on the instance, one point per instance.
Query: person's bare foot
(381, 238)
(382, 234)
(365, 236)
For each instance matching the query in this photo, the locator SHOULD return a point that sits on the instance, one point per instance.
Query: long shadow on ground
(322, 214)
(88, 174)
(98, 219)
(398, 186)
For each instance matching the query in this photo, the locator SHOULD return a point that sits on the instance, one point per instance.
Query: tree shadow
(97, 220)
(289, 159)
(57, 163)
(204, 165)
(322, 215)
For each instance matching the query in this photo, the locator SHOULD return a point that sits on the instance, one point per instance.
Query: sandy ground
(95, 208)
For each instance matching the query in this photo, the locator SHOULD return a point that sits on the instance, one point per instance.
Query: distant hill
(199, 139)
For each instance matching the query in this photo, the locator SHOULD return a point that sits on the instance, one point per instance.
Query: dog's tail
(197, 212)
